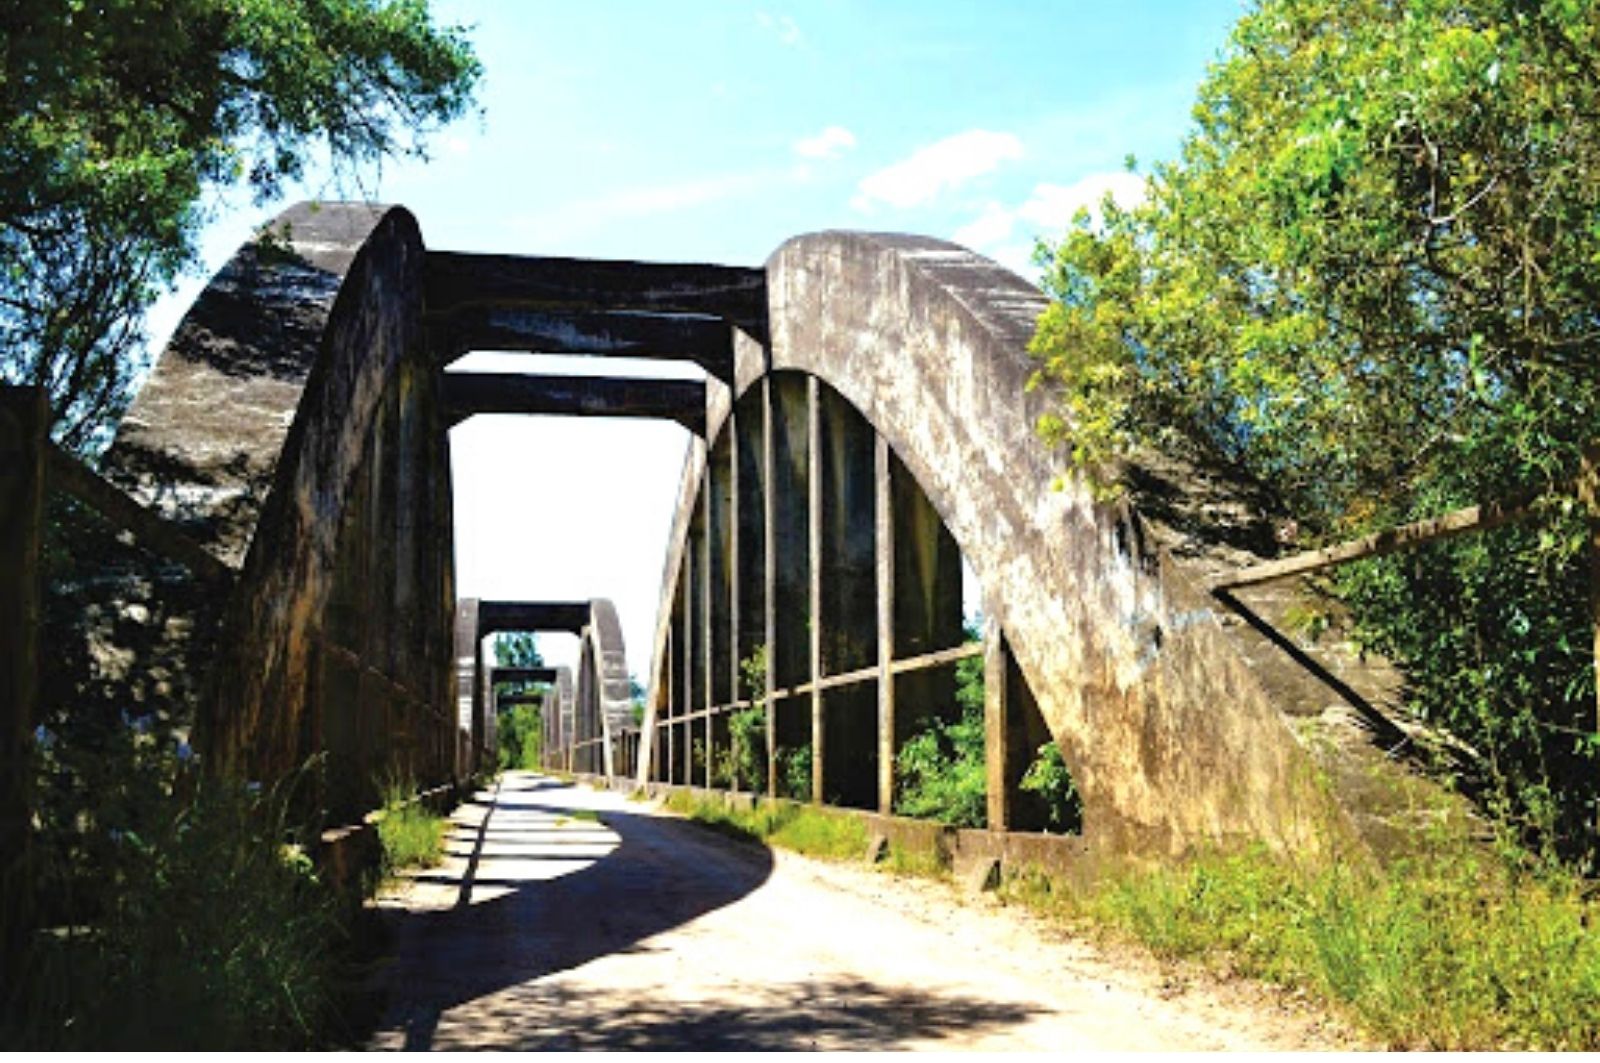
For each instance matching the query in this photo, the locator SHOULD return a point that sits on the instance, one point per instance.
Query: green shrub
(799, 828)
(794, 773)
(207, 929)
(747, 730)
(520, 736)
(1048, 779)
(941, 769)
(412, 835)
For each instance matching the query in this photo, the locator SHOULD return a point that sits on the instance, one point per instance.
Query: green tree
(517, 649)
(1369, 283)
(118, 117)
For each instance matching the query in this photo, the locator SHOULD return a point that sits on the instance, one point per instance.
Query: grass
(1459, 950)
(213, 934)
(920, 863)
(800, 828)
(412, 835)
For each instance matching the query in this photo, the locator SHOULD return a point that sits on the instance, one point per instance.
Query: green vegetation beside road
(184, 915)
(787, 825)
(1458, 950)
(411, 833)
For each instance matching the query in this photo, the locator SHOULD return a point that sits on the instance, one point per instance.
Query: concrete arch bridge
(863, 432)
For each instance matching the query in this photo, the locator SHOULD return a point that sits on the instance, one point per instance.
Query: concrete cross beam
(705, 340)
(468, 394)
(511, 674)
(736, 294)
(571, 617)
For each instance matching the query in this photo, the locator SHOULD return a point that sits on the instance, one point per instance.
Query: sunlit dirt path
(573, 919)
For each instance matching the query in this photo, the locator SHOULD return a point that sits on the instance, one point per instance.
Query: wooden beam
(69, 475)
(467, 394)
(24, 441)
(1471, 519)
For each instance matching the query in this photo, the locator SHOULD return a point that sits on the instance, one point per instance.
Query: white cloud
(785, 27)
(1050, 209)
(938, 167)
(1053, 206)
(988, 228)
(1047, 212)
(831, 143)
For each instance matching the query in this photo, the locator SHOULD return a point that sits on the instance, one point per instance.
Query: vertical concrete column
(24, 437)
(996, 723)
(733, 560)
(883, 513)
(814, 559)
(663, 744)
(466, 672)
(848, 620)
(480, 706)
(708, 624)
(769, 572)
(789, 595)
(685, 771)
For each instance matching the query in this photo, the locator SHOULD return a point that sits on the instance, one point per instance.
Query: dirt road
(572, 919)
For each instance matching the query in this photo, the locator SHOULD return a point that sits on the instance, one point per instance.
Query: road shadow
(832, 1014)
(460, 954)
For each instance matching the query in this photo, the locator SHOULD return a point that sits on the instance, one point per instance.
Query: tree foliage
(118, 117)
(517, 649)
(1369, 282)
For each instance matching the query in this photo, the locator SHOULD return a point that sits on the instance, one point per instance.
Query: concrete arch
(1172, 740)
(593, 707)
(292, 426)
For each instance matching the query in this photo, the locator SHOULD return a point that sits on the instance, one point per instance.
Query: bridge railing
(44, 664)
(1482, 517)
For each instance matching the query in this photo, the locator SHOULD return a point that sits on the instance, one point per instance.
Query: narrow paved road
(566, 918)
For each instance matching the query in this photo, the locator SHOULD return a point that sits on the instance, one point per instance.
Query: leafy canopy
(118, 115)
(1370, 284)
(1376, 254)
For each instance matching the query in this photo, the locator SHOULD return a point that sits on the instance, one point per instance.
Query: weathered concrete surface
(1169, 735)
(292, 426)
(705, 340)
(567, 919)
(590, 709)
(457, 281)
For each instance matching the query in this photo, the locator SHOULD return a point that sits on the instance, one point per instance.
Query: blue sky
(711, 131)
